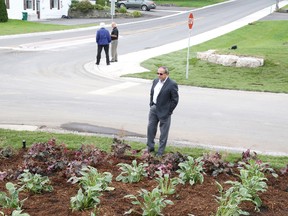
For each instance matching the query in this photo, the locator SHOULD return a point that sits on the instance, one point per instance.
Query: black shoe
(150, 150)
(112, 61)
(97, 63)
(108, 64)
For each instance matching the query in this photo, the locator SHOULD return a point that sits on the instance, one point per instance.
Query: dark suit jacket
(167, 99)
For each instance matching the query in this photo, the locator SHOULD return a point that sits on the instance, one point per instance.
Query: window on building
(54, 4)
(28, 4)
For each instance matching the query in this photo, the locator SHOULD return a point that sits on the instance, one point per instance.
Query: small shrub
(98, 7)
(102, 2)
(152, 203)
(83, 6)
(131, 173)
(166, 185)
(191, 171)
(12, 199)
(45, 158)
(136, 14)
(90, 155)
(252, 181)
(91, 177)
(214, 165)
(87, 199)
(122, 10)
(35, 183)
(118, 148)
(230, 200)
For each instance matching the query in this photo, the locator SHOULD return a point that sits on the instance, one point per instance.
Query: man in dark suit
(163, 100)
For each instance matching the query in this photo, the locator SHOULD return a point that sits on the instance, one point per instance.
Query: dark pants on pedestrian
(99, 51)
(152, 130)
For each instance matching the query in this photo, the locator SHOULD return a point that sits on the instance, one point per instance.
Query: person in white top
(164, 98)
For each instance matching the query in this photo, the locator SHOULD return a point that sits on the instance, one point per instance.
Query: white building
(37, 9)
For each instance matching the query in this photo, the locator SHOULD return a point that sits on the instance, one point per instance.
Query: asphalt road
(44, 83)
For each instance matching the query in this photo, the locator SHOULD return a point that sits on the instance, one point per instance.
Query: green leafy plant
(122, 10)
(166, 185)
(12, 199)
(136, 14)
(19, 213)
(35, 183)
(91, 177)
(131, 173)
(87, 199)
(230, 200)
(152, 203)
(252, 181)
(191, 171)
(83, 6)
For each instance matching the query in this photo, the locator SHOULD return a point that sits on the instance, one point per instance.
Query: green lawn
(266, 39)
(188, 3)
(22, 27)
(11, 138)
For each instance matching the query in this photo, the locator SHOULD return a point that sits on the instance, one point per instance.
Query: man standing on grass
(163, 100)
(103, 39)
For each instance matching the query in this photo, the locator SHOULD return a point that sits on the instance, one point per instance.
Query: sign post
(112, 8)
(190, 25)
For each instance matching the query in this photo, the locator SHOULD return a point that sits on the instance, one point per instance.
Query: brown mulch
(198, 200)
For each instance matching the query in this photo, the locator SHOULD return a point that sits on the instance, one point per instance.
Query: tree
(3, 11)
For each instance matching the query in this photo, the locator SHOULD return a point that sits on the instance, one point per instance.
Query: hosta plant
(151, 203)
(19, 213)
(191, 171)
(166, 185)
(35, 183)
(91, 177)
(11, 200)
(86, 199)
(230, 200)
(131, 173)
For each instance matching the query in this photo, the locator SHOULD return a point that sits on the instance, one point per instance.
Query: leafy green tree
(3, 12)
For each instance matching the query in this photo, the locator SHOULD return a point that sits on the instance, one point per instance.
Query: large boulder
(230, 60)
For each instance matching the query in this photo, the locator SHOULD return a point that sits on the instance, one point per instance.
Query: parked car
(144, 5)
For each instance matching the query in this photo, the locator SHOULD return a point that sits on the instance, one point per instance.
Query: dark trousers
(152, 130)
(99, 51)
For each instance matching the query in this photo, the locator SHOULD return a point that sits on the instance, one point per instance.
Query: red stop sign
(190, 21)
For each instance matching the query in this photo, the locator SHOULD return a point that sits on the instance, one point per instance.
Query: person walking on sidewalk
(103, 39)
(114, 42)
(163, 100)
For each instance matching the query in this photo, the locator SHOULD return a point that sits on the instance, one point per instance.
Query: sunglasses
(160, 74)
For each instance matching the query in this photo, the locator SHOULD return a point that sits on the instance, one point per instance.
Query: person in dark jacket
(163, 100)
(103, 40)
(114, 42)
